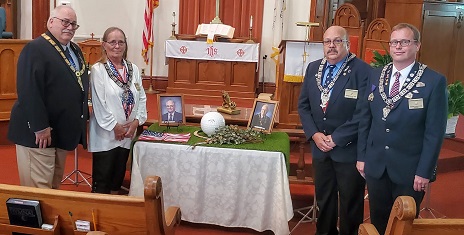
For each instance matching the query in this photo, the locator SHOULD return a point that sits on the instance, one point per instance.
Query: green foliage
(231, 134)
(380, 60)
(455, 99)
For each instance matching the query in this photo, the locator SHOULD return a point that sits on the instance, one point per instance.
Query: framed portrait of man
(264, 112)
(171, 109)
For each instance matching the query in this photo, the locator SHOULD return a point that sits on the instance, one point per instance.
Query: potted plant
(380, 60)
(455, 105)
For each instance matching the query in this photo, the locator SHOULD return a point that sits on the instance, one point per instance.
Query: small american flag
(177, 137)
(152, 135)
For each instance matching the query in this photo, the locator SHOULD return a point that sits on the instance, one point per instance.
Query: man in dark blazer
(329, 112)
(50, 116)
(402, 126)
(261, 120)
(171, 115)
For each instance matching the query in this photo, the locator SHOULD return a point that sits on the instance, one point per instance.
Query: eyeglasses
(114, 43)
(336, 42)
(66, 23)
(402, 42)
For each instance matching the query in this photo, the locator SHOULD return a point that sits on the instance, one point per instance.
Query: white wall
(96, 16)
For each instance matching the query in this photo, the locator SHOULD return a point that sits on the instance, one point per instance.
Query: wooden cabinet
(443, 38)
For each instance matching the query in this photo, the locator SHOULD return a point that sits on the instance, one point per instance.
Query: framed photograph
(171, 109)
(264, 112)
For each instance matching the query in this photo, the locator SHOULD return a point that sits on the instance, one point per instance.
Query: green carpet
(274, 142)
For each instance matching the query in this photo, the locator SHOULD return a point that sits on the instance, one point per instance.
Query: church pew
(114, 214)
(402, 222)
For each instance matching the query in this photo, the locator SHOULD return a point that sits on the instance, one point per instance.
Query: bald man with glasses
(50, 116)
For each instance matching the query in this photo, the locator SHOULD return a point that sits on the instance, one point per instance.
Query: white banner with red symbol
(200, 50)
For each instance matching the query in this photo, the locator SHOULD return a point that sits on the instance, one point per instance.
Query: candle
(173, 17)
(251, 21)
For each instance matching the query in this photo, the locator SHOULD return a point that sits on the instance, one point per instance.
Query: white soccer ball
(211, 121)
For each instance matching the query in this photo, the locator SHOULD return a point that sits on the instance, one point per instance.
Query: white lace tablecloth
(227, 187)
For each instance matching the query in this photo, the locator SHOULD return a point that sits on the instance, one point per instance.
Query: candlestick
(173, 31)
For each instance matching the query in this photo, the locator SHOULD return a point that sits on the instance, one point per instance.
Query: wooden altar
(206, 76)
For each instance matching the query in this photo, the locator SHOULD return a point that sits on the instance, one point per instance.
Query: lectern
(293, 59)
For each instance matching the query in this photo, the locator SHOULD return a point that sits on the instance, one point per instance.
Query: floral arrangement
(232, 134)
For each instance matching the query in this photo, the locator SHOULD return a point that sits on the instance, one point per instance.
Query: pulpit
(92, 49)
(294, 57)
(201, 70)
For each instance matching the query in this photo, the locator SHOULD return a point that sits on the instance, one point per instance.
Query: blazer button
(82, 116)
(387, 148)
(324, 119)
(387, 130)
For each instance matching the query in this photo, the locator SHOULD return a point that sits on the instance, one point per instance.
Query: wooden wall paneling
(376, 9)
(404, 11)
(319, 13)
(442, 39)
(240, 18)
(9, 54)
(207, 78)
(232, 12)
(40, 14)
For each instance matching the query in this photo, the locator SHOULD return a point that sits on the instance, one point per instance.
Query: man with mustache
(50, 116)
(329, 112)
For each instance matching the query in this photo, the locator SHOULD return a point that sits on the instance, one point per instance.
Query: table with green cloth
(228, 185)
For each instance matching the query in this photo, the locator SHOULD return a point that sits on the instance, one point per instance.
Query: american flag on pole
(147, 36)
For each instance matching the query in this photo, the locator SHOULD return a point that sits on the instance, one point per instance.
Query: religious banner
(298, 56)
(199, 50)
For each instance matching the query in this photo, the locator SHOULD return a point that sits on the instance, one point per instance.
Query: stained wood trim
(40, 13)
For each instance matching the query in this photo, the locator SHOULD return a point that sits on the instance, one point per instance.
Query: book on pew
(23, 212)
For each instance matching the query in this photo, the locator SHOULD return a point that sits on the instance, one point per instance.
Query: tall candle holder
(173, 31)
(250, 39)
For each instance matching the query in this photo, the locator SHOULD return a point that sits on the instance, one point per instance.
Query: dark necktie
(329, 77)
(170, 117)
(69, 57)
(396, 85)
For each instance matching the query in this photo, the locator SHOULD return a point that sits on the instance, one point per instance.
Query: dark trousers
(109, 169)
(382, 195)
(336, 183)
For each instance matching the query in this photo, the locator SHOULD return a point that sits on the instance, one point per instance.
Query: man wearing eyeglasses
(402, 126)
(50, 116)
(328, 108)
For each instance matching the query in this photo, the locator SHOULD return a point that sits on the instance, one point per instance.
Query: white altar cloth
(221, 186)
(200, 50)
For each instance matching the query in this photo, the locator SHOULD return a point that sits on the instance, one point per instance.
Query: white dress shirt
(108, 110)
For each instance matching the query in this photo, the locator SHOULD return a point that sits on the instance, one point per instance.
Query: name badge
(351, 94)
(416, 103)
(137, 86)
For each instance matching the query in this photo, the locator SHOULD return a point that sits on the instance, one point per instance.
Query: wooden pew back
(402, 222)
(348, 17)
(376, 39)
(114, 214)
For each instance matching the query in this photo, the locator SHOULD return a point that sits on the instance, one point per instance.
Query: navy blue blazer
(342, 115)
(49, 95)
(408, 142)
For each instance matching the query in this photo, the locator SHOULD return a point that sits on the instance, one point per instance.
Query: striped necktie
(329, 77)
(396, 85)
(69, 57)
